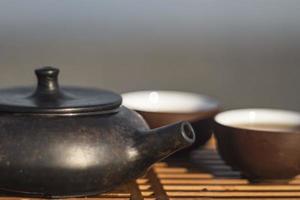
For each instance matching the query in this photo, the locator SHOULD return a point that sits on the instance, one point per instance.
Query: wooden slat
(188, 175)
(204, 181)
(144, 187)
(235, 198)
(87, 198)
(171, 170)
(234, 194)
(116, 195)
(142, 181)
(147, 193)
(232, 187)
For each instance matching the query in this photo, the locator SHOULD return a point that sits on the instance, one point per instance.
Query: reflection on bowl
(262, 143)
(160, 108)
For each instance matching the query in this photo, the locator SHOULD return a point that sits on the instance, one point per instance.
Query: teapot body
(69, 156)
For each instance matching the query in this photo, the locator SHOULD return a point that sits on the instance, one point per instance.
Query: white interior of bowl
(168, 101)
(234, 118)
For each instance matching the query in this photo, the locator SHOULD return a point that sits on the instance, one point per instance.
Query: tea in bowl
(161, 108)
(262, 143)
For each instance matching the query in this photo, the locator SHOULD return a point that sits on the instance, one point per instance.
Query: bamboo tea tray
(201, 175)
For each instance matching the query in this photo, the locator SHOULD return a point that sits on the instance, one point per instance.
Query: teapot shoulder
(131, 118)
(122, 120)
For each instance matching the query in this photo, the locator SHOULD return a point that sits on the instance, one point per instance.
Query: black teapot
(72, 141)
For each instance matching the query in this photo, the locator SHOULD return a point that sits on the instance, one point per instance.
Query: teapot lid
(49, 98)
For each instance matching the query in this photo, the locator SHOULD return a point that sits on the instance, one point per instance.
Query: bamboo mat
(201, 175)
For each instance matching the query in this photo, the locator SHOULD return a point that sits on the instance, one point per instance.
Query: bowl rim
(211, 105)
(294, 118)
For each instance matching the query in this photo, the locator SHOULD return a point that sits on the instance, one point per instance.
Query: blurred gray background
(245, 53)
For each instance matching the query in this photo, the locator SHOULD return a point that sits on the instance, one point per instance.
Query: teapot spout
(161, 142)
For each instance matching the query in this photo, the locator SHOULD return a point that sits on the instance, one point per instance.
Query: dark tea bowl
(264, 144)
(161, 108)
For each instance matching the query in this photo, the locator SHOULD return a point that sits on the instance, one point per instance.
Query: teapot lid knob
(47, 80)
